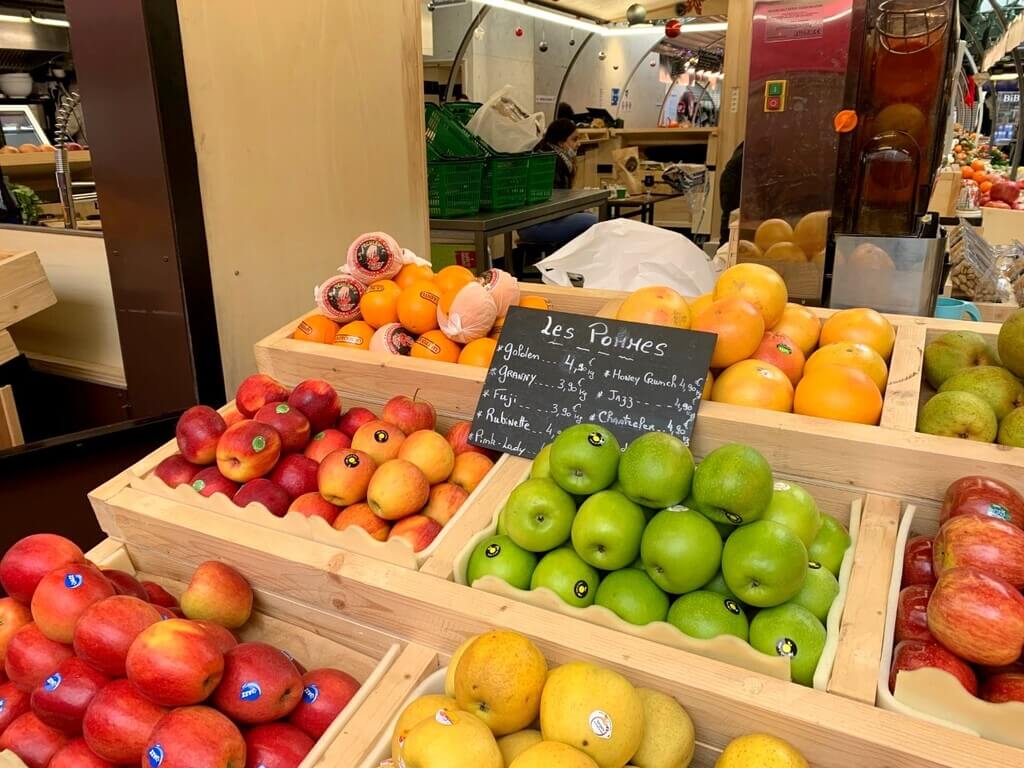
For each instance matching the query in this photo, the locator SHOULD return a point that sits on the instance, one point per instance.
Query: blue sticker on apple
(311, 693)
(3, 705)
(999, 511)
(250, 692)
(73, 580)
(53, 682)
(155, 756)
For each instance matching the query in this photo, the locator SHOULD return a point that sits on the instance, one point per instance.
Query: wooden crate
(311, 579)
(24, 289)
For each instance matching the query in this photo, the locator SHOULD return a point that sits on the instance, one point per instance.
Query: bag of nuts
(977, 272)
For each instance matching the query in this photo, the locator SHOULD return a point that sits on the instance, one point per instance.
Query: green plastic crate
(540, 177)
(453, 186)
(448, 138)
(462, 111)
(505, 181)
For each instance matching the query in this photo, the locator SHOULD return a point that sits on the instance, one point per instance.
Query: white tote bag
(505, 125)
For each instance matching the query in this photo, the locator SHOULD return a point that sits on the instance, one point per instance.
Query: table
(643, 203)
(486, 224)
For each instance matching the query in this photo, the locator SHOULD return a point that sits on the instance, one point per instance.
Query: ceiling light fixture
(598, 29)
(13, 18)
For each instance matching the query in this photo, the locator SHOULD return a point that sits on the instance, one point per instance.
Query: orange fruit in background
(859, 356)
(811, 232)
(355, 335)
(534, 302)
(760, 285)
(452, 278)
(756, 384)
(411, 273)
(434, 345)
(746, 250)
(978, 165)
(773, 231)
(316, 328)
(801, 325)
(862, 326)
(709, 384)
(417, 307)
(699, 304)
(838, 392)
(986, 186)
(655, 305)
(739, 326)
(967, 172)
(478, 353)
(782, 352)
(785, 252)
(379, 305)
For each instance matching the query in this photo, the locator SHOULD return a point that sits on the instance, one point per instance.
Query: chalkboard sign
(552, 370)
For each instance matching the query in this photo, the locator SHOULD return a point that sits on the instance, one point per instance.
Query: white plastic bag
(505, 125)
(625, 255)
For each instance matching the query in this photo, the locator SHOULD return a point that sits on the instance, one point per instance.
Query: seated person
(562, 138)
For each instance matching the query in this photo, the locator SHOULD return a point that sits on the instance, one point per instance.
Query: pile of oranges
(775, 355)
(403, 316)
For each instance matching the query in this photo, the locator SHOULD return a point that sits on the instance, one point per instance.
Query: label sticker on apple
(493, 550)
(259, 443)
(319, 436)
(581, 588)
(73, 580)
(814, 565)
(998, 511)
(732, 606)
(781, 486)
(250, 691)
(3, 705)
(282, 408)
(155, 756)
(733, 518)
(600, 723)
(596, 439)
(53, 682)
(198, 485)
(442, 717)
(351, 460)
(311, 693)
(786, 647)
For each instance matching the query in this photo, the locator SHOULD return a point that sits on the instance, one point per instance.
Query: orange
(756, 384)
(773, 231)
(410, 273)
(986, 186)
(655, 305)
(699, 304)
(863, 326)
(980, 176)
(379, 305)
(453, 277)
(838, 392)
(478, 353)
(785, 252)
(316, 328)
(417, 307)
(801, 325)
(859, 356)
(978, 165)
(355, 335)
(739, 326)
(760, 285)
(967, 172)
(434, 345)
(534, 302)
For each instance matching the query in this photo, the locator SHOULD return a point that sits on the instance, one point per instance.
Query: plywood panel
(308, 122)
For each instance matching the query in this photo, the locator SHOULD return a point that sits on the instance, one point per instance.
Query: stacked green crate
(455, 166)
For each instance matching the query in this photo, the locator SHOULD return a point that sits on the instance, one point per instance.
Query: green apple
(703, 615)
(607, 529)
(764, 563)
(632, 596)
(818, 592)
(656, 470)
(584, 459)
(502, 526)
(539, 515)
(718, 586)
(541, 466)
(500, 556)
(791, 631)
(681, 550)
(830, 544)
(732, 485)
(565, 574)
(796, 509)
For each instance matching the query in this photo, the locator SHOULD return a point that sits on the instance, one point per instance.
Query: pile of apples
(716, 549)
(102, 670)
(960, 606)
(296, 451)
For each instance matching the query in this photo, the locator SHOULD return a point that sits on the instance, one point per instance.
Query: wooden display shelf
(24, 289)
(10, 161)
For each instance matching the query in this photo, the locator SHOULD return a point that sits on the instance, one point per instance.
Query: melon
(338, 298)
(504, 288)
(467, 313)
(374, 256)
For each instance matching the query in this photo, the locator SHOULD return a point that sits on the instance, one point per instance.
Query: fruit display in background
(655, 305)
(654, 539)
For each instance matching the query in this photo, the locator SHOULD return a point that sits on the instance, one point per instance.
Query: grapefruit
(859, 356)
(785, 252)
(801, 325)
(699, 304)
(655, 305)
(760, 285)
(838, 392)
(782, 352)
(862, 326)
(739, 326)
(755, 384)
(747, 250)
(811, 232)
(773, 231)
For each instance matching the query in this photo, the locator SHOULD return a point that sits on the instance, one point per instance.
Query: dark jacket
(564, 169)
(729, 189)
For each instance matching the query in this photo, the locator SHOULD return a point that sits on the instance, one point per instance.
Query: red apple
(255, 392)
(782, 352)
(1008, 686)
(418, 530)
(118, 722)
(993, 546)
(296, 474)
(32, 740)
(125, 584)
(15, 703)
(176, 470)
(318, 402)
(197, 433)
(361, 516)
(249, 449)
(458, 439)
(983, 496)
(76, 754)
(445, 500)
(211, 481)
(169, 613)
(158, 595)
(263, 491)
(325, 693)
(290, 423)
(13, 616)
(325, 442)
(314, 505)
(195, 736)
(353, 419)
(260, 684)
(915, 654)
(912, 614)
(470, 470)
(917, 562)
(276, 745)
(231, 414)
(409, 414)
(61, 699)
(32, 657)
(174, 663)
(222, 637)
(219, 593)
(344, 476)
(28, 560)
(978, 617)
(64, 594)
(107, 630)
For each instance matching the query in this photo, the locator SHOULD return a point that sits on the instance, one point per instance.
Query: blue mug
(955, 309)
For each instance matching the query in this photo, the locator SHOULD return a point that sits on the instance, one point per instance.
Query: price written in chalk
(552, 370)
